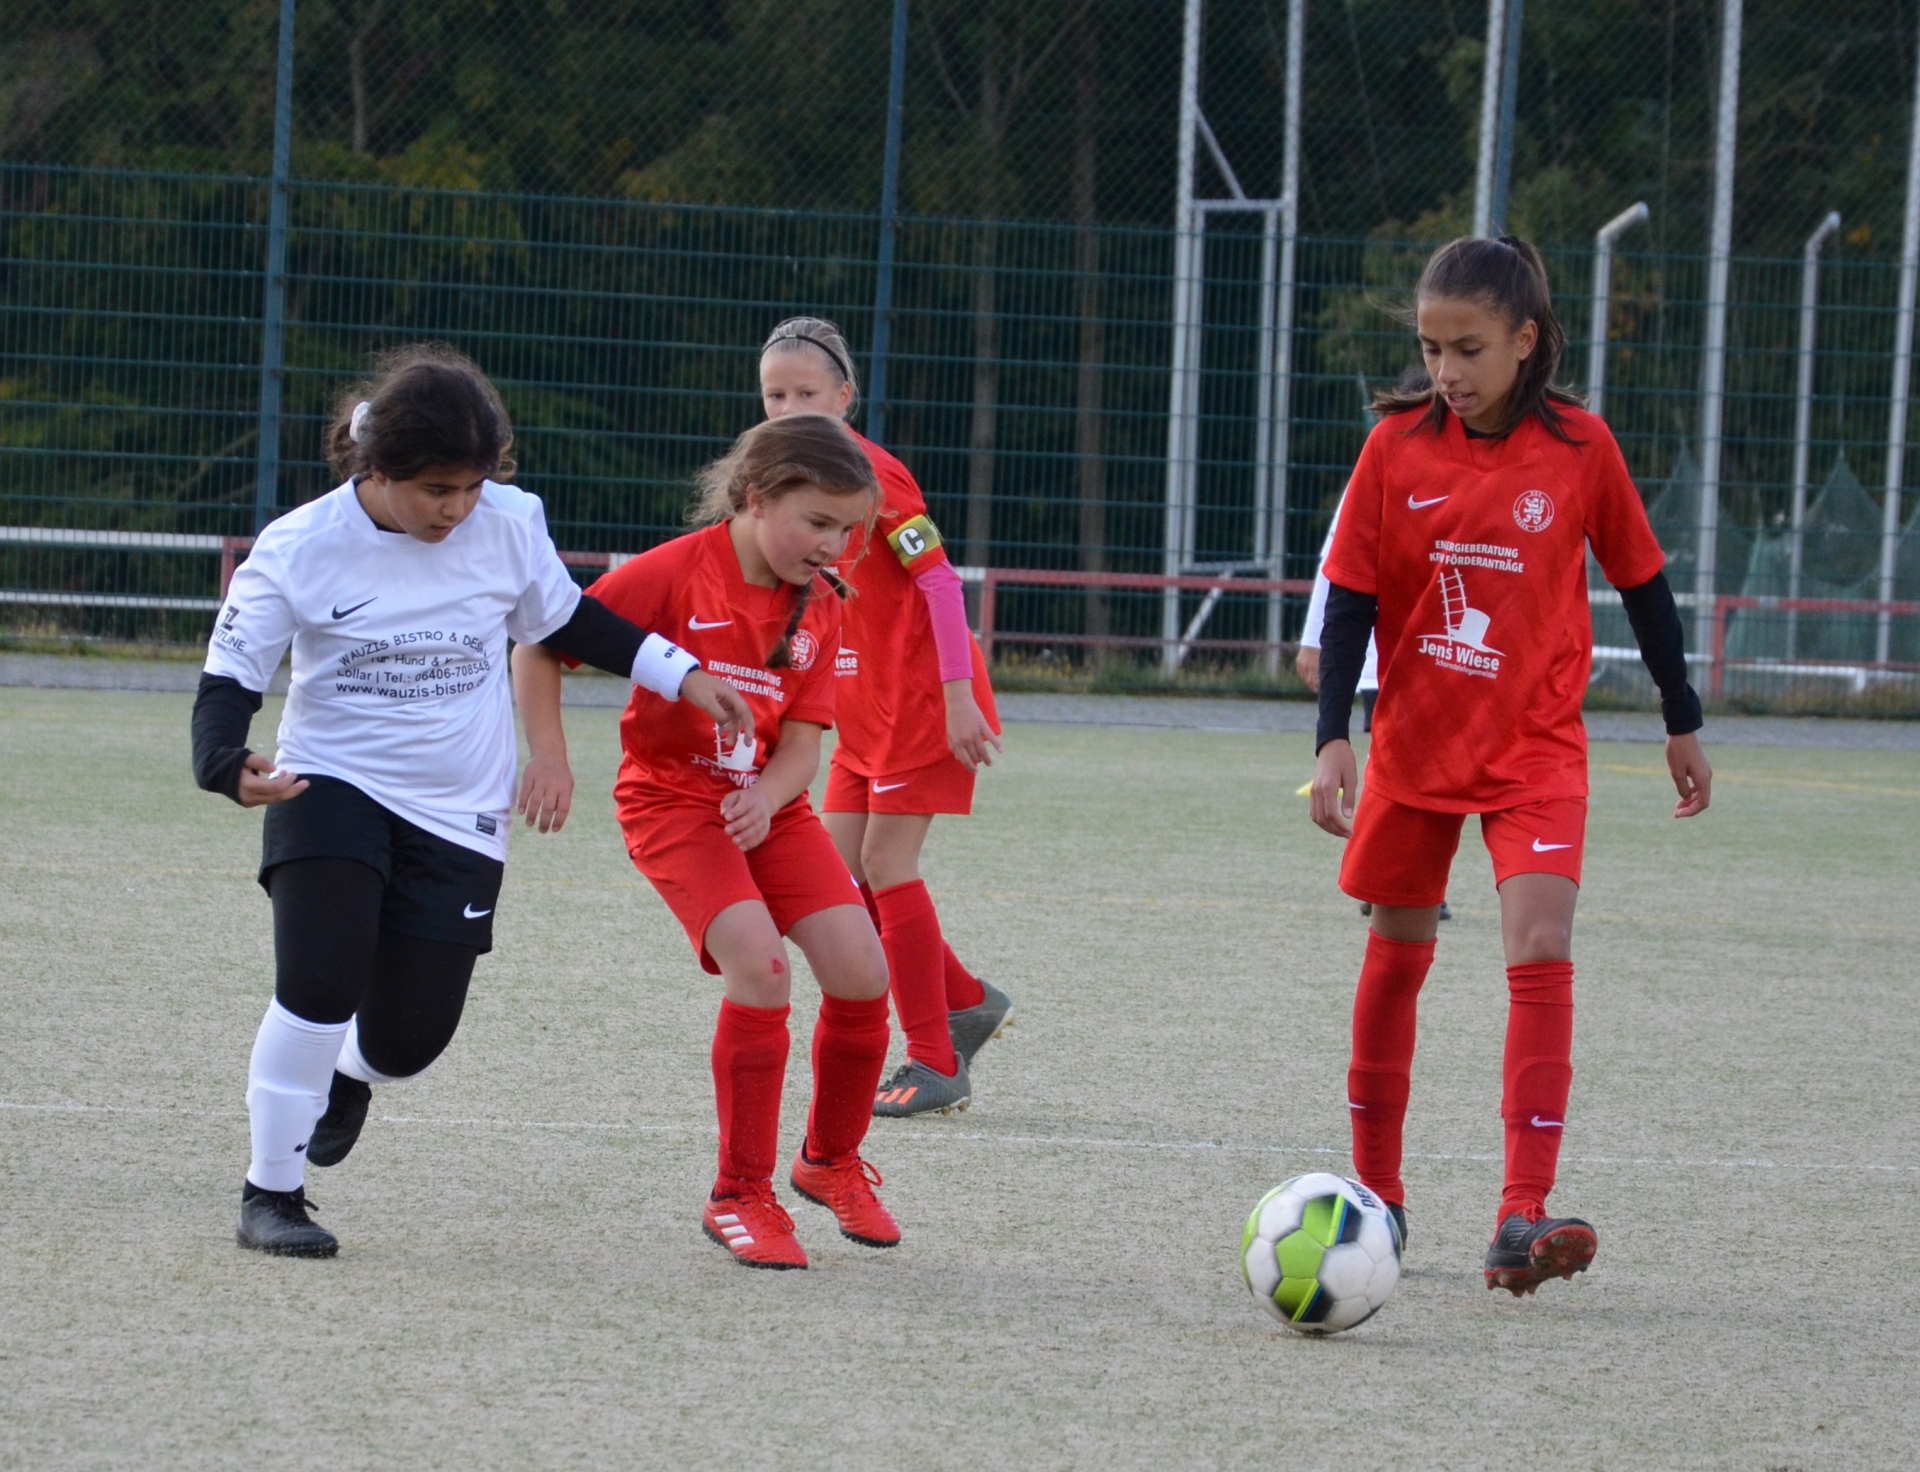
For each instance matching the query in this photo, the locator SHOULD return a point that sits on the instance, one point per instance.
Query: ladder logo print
(1463, 646)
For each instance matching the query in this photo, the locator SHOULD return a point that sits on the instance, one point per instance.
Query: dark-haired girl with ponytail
(724, 831)
(391, 795)
(1462, 547)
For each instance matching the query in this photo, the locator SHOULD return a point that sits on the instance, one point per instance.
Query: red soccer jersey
(893, 711)
(692, 591)
(1476, 549)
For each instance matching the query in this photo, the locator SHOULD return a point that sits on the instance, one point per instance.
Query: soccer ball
(1321, 1253)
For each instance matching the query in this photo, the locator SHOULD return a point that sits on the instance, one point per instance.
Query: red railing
(1725, 605)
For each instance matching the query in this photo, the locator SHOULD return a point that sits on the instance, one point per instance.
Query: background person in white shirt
(392, 791)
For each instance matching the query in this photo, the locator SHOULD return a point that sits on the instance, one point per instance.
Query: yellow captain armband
(913, 539)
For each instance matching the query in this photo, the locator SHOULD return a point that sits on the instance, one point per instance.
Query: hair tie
(357, 425)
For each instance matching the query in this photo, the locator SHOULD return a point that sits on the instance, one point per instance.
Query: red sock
(749, 1068)
(1384, 1011)
(910, 933)
(1538, 1073)
(849, 1050)
(963, 987)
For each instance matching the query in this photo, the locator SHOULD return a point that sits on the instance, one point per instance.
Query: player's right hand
(1335, 776)
(1306, 664)
(257, 789)
(717, 698)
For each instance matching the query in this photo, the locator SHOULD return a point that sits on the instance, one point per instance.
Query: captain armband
(913, 539)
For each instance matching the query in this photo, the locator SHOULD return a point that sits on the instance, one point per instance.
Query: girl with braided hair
(724, 830)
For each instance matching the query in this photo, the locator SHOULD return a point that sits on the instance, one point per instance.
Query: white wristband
(661, 666)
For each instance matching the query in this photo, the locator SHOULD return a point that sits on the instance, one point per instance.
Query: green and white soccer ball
(1321, 1253)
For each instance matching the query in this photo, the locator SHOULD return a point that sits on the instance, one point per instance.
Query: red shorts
(1400, 855)
(686, 854)
(941, 787)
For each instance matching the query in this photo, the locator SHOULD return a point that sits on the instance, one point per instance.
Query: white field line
(975, 1137)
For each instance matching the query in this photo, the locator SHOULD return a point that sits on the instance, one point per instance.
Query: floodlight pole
(1803, 415)
(273, 311)
(1902, 383)
(1714, 372)
(1184, 379)
(889, 229)
(1603, 242)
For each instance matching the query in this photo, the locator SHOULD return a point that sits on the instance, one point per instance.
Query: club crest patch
(1533, 512)
(803, 647)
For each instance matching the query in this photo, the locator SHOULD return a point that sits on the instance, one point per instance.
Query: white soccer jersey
(1317, 612)
(400, 681)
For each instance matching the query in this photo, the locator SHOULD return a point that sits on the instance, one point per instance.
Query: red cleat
(755, 1228)
(846, 1189)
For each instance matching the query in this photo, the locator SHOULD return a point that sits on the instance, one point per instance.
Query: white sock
(288, 1080)
(353, 1063)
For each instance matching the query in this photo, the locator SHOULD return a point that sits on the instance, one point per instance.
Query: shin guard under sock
(288, 1079)
(910, 934)
(749, 1070)
(849, 1050)
(1385, 1007)
(1538, 1074)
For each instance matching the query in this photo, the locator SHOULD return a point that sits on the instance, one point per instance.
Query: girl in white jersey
(392, 790)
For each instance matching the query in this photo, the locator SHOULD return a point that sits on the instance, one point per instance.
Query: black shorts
(436, 889)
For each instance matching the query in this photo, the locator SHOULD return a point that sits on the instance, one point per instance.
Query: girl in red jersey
(724, 830)
(1462, 547)
(917, 721)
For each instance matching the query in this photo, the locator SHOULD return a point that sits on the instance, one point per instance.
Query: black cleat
(1525, 1254)
(1399, 1215)
(1445, 913)
(972, 1028)
(340, 1126)
(277, 1222)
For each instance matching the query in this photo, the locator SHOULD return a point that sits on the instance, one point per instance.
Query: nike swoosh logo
(339, 612)
(1547, 848)
(1548, 1124)
(719, 623)
(473, 914)
(891, 786)
(1413, 505)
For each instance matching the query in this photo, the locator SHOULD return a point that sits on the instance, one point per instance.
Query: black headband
(846, 369)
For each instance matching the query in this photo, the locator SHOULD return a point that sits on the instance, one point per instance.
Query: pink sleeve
(939, 584)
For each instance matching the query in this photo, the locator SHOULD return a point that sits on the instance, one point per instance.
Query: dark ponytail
(1508, 276)
(782, 654)
(427, 404)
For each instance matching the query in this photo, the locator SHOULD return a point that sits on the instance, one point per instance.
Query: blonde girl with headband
(724, 830)
(391, 795)
(917, 722)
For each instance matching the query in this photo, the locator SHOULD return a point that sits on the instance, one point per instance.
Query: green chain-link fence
(608, 205)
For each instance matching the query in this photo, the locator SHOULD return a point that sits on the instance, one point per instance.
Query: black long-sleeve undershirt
(1651, 613)
(598, 636)
(222, 711)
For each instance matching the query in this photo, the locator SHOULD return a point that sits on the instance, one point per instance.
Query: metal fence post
(1714, 373)
(889, 229)
(1803, 416)
(1182, 395)
(273, 314)
(1902, 382)
(1603, 242)
(1503, 137)
(1490, 81)
(1275, 550)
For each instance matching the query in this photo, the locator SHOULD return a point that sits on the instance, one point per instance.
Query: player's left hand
(546, 793)
(717, 698)
(748, 816)
(971, 740)
(1692, 777)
